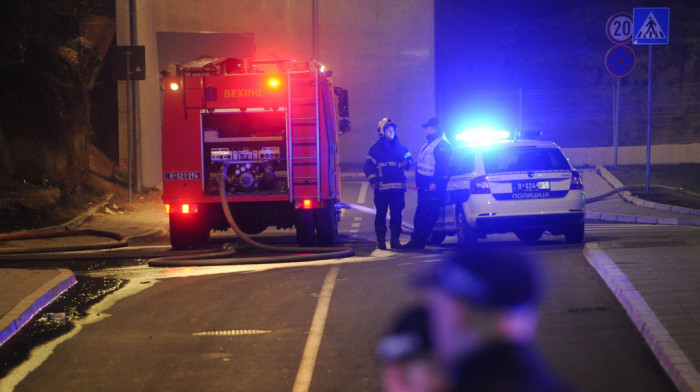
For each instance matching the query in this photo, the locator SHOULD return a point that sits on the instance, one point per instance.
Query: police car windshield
(524, 158)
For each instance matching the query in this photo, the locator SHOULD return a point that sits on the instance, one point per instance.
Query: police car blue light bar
(483, 135)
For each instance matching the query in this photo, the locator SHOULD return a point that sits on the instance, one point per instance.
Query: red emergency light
(307, 204)
(181, 208)
(273, 82)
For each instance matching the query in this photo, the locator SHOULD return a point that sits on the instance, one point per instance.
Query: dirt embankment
(37, 203)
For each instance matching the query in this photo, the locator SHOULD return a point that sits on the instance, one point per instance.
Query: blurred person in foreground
(406, 356)
(482, 319)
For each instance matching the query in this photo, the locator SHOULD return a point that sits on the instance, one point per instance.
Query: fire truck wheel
(327, 224)
(305, 227)
(187, 233)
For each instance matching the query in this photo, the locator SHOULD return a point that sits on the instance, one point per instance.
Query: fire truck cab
(270, 128)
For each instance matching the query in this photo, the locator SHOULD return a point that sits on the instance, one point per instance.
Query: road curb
(23, 312)
(627, 196)
(668, 353)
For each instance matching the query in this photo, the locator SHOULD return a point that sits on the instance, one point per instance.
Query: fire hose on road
(120, 241)
(297, 253)
(225, 256)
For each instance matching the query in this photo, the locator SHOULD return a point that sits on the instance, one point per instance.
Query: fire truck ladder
(304, 140)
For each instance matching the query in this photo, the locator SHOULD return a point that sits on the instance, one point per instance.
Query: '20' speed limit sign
(619, 28)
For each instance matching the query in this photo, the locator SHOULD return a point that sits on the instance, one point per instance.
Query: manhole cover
(233, 332)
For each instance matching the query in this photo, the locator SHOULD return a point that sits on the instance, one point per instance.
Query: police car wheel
(466, 236)
(575, 234)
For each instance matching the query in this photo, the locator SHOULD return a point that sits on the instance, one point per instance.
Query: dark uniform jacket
(382, 165)
(507, 367)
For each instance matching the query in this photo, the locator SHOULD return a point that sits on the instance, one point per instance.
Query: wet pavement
(657, 282)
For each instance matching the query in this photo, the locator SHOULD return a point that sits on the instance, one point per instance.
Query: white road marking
(363, 193)
(356, 224)
(313, 342)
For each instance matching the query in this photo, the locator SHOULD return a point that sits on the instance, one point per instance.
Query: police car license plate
(531, 189)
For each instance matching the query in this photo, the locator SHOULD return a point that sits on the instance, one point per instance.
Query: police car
(501, 185)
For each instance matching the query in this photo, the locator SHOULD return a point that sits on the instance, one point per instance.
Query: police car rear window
(462, 161)
(525, 158)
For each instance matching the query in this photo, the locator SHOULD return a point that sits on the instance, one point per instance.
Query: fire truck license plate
(183, 176)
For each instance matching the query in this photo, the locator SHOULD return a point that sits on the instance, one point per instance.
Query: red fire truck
(270, 128)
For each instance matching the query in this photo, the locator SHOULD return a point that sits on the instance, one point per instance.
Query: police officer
(431, 178)
(384, 168)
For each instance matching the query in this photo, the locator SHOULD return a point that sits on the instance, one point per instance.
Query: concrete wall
(634, 155)
(382, 51)
(149, 151)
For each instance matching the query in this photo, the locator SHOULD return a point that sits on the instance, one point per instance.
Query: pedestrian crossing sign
(651, 26)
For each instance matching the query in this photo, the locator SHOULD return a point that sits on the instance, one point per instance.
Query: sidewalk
(657, 283)
(24, 292)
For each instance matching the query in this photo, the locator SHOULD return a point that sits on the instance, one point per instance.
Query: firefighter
(431, 179)
(384, 168)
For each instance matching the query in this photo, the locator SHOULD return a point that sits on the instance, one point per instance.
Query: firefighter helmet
(385, 122)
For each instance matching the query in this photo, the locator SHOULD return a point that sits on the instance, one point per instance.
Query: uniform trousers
(427, 212)
(392, 201)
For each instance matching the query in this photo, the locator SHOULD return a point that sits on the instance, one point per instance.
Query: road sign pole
(619, 61)
(649, 121)
(129, 120)
(616, 124)
(651, 27)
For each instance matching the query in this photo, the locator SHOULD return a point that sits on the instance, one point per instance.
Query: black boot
(395, 234)
(381, 236)
(413, 245)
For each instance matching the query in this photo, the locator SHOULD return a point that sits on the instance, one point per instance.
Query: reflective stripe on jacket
(382, 164)
(426, 158)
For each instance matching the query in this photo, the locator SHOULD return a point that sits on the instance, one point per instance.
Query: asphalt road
(313, 326)
(247, 331)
